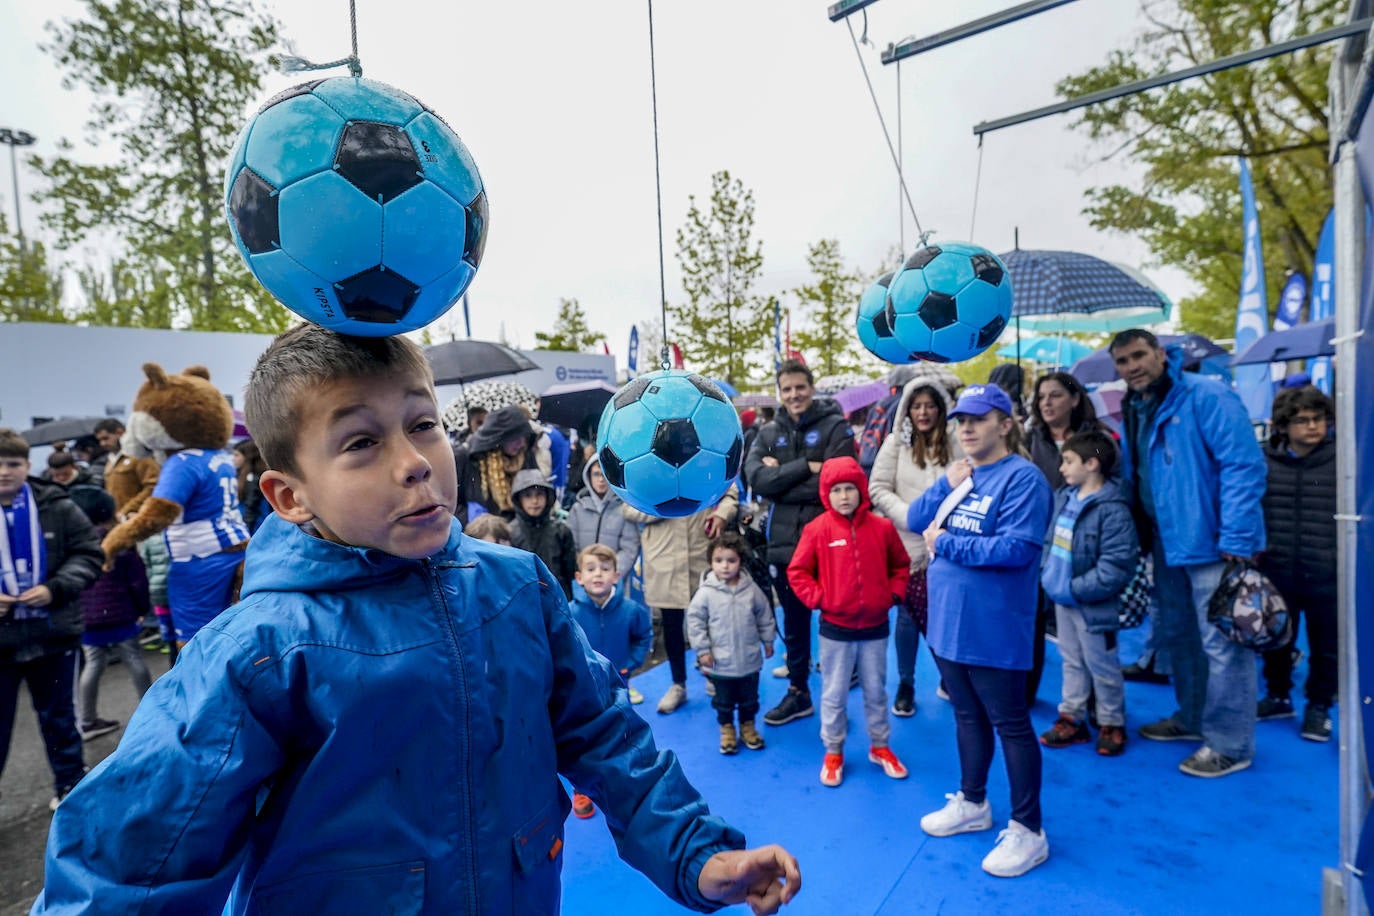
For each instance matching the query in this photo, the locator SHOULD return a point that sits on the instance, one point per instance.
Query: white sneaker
(958, 816)
(1017, 851)
(675, 697)
(780, 671)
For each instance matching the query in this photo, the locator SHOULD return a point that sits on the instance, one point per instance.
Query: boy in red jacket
(851, 565)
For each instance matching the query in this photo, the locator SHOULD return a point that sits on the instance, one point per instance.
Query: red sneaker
(582, 806)
(884, 758)
(832, 770)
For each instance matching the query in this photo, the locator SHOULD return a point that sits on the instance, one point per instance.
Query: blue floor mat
(1127, 835)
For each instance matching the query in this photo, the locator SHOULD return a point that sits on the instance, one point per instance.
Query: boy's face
(597, 577)
(533, 501)
(1076, 471)
(844, 498)
(375, 467)
(63, 475)
(599, 483)
(725, 564)
(12, 474)
(1307, 429)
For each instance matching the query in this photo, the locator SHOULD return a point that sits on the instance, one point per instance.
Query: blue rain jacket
(366, 734)
(1207, 471)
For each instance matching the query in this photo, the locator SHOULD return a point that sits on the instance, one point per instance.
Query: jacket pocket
(397, 889)
(540, 840)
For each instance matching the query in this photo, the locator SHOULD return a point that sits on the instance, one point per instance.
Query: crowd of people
(983, 518)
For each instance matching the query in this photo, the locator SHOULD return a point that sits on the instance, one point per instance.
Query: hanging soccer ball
(670, 443)
(874, 331)
(356, 206)
(948, 303)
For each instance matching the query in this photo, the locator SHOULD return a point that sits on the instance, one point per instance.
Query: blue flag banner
(1253, 383)
(1291, 301)
(1323, 296)
(632, 361)
(777, 335)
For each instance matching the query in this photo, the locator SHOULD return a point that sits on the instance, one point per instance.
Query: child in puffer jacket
(595, 518)
(728, 621)
(535, 528)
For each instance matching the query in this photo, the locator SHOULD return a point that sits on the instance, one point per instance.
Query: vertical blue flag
(777, 335)
(1289, 314)
(1323, 296)
(1253, 383)
(632, 361)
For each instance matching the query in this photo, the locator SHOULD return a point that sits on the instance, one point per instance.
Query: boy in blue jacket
(379, 724)
(1090, 555)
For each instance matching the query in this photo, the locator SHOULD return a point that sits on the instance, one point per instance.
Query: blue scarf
(23, 555)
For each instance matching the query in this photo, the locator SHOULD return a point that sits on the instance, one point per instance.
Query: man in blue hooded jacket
(1192, 462)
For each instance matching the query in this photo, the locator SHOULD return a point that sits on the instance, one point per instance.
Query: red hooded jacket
(853, 569)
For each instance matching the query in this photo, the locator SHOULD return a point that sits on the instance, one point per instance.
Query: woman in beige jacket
(675, 554)
(913, 456)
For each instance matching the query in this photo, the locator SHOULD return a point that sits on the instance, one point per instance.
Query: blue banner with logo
(1253, 383)
(777, 335)
(632, 361)
(1291, 301)
(1323, 296)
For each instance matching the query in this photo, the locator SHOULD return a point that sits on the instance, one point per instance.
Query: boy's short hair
(13, 445)
(488, 526)
(596, 552)
(309, 356)
(1094, 443)
(60, 460)
(729, 541)
(795, 367)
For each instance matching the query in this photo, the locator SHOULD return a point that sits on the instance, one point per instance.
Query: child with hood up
(595, 518)
(535, 528)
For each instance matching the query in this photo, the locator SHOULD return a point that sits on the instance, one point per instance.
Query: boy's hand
(765, 878)
(768, 650)
(38, 596)
(706, 660)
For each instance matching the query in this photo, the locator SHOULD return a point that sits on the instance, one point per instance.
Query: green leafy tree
(171, 80)
(30, 288)
(723, 327)
(570, 331)
(828, 339)
(1187, 137)
(124, 296)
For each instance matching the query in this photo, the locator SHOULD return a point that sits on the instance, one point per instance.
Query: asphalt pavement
(26, 786)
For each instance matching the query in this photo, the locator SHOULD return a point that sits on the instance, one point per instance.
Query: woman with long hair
(916, 454)
(505, 444)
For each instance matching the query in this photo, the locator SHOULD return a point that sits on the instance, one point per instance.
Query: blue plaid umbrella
(1059, 291)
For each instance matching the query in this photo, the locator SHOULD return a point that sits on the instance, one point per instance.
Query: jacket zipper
(469, 834)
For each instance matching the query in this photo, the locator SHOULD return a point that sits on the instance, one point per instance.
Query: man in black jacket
(784, 467)
(1300, 558)
(49, 553)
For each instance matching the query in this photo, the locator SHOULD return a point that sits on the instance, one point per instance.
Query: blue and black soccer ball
(356, 206)
(947, 303)
(670, 443)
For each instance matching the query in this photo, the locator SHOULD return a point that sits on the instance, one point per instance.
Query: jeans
(736, 692)
(1044, 608)
(907, 640)
(1155, 656)
(985, 699)
(50, 680)
(838, 660)
(97, 657)
(796, 630)
(1090, 665)
(675, 641)
(1215, 679)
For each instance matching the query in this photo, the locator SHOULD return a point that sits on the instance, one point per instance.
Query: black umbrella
(1302, 341)
(571, 404)
(60, 430)
(458, 362)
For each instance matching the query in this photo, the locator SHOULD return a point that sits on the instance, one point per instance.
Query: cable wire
(664, 363)
(892, 151)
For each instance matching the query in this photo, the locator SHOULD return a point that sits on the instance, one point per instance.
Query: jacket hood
(1323, 453)
(1011, 378)
(500, 426)
(45, 491)
(709, 580)
(587, 494)
(844, 470)
(283, 557)
(901, 420)
(528, 479)
(820, 408)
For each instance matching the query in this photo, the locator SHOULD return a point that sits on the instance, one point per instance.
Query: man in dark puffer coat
(1300, 559)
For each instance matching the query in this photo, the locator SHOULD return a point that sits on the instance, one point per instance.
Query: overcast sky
(553, 100)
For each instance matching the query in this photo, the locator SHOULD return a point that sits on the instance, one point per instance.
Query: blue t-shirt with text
(1056, 577)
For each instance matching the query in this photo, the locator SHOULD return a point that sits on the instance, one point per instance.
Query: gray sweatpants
(837, 663)
(1090, 663)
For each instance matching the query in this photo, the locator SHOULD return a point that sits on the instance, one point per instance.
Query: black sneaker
(1271, 708)
(795, 705)
(96, 729)
(1065, 732)
(1167, 730)
(1316, 723)
(1146, 675)
(1208, 764)
(905, 703)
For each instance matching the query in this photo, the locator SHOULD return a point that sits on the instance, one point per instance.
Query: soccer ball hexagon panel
(356, 207)
(670, 443)
(948, 303)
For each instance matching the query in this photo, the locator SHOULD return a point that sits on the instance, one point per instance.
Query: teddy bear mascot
(184, 422)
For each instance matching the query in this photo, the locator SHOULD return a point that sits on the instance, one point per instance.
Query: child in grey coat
(730, 625)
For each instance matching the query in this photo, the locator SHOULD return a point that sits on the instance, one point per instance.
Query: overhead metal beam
(838, 11)
(1164, 79)
(916, 46)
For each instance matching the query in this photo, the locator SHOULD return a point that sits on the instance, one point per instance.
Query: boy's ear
(283, 492)
(577, 576)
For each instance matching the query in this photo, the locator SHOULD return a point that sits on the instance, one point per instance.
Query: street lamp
(13, 138)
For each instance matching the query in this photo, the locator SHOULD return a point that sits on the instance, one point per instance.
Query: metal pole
(901, 216)
(13, 138)
(968, 29)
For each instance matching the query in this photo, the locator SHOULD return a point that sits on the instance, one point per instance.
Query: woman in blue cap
(984, 524)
